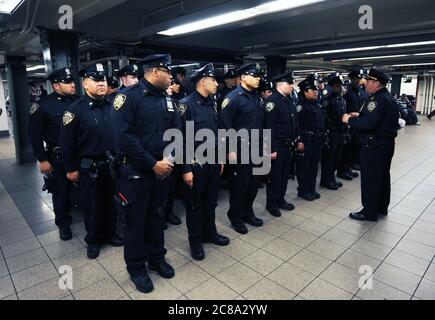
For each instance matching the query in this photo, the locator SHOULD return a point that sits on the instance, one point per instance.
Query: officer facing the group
(312, 127)
(44, 126)
(334, 107)
(202, 179)
(281, 118)
(86, 141)
(243, 108)
(377, 125)
(141, 115)
(128, 75)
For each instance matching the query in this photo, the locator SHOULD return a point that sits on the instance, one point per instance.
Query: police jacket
(334, 107)
(355, 98)
(311, 118)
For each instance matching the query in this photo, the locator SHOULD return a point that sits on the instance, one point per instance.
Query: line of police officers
(109, 145)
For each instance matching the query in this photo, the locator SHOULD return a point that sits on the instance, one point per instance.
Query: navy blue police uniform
(377, 125)
(113, 82)
(312, 127)
(282, 120)
(334, 107)
(86, 140)
(44, 127)
(222, 93)
(128, 70)
(141, 115)
(201, 199)
(243, 109)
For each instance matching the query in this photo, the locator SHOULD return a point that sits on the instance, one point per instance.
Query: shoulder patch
(225, 103)
(68, 117)
(119, 101)
(34, 108)
(182, 108)
(325, 92)
(299, 108)
(270, 106)
(372, 106)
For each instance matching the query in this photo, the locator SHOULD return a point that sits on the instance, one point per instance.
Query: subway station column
(396, 83)
(19, 98)
(60, 49)
(275, 65)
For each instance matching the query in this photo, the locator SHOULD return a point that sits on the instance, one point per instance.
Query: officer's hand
(222, 168)
(163, 168)
(354, 114)
(188, 179)
(232, 156)
(73, 176)
(274, 155)
(301, 147)
(346, 118)
(45, 167)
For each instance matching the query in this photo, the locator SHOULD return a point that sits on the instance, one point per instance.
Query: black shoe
(317, 195)
(163, 268)
(274, 211)
(286, 206)
(383, 213)
(345, 176)
(429, 117)
(93, 251)
(173, 219)
(143, 283)
(330, 186)
(218, 240)
(65, 233)
(362, 217)
(240, 228)
(355, 174)
(116, 241)
(197, 251)
(339, 184)
(307, 196)
(356, 167)
(253, 221)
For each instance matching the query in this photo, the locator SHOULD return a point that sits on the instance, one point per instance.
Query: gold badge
(68, 117)
(119, 101)
(34, 107)
(372, 106)
(270, 106)
(225, 103)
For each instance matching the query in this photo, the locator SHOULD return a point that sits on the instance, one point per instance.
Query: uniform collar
(201, 99)
(150, 89)
(274, 90)
(60, 97)
(95, 103)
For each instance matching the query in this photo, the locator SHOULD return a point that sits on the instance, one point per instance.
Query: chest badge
(119, 101)
(34, 108)
(225, 103)
(68, 117)
(372, 106)
(170, 104)
(270, 106)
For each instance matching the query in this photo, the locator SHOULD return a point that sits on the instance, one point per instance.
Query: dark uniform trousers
(332, 156)
(61, 193)
(308, 165)
(201, 202)
(375, 176)
(144, 218)
(173, 187)
(276, 188)
(243, 187)
(98, 206)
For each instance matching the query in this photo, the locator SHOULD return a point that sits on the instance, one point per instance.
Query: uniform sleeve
(270, 121)
(369, 118)
(126, 139)
(35, 127)
(226, 118)
(68, 140)
(187, 116)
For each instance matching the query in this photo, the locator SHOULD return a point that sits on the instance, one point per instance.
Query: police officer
(377, 124)
(44, 126)
(201, 177)
(312, 127)
(355, 98)
(230, 85)
(86, 140)
(266, 87)
(128, 75)
(112, 87)
(243, 108)
(281, 118)
(141, 115)
(323, 89)
(334, 107)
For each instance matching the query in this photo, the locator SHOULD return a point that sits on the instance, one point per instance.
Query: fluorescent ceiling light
(9, 6)
(238, 15)
(372, 58)
(398, 45)
(34, 68)
(414, 64)
(425, 54)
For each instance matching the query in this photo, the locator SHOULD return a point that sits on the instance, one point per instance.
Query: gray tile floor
(315, 252)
